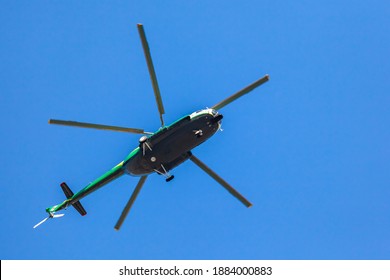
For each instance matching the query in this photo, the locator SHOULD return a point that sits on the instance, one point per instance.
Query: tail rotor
(51, 215)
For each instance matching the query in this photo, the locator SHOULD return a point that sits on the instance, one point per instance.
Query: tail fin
(68, 193)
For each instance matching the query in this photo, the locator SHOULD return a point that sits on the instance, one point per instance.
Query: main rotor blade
(152, 73)
(130, 202)
(240, 93)
(99, 126)
(224, 184)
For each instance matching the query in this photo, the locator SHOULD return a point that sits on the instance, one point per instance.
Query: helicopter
(157, 152)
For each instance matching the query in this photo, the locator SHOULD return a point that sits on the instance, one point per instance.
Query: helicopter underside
(172, 145)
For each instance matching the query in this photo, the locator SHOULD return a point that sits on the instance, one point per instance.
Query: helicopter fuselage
(171, 145)
(157, 153)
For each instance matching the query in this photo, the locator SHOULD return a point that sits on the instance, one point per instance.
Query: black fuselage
(172, 145)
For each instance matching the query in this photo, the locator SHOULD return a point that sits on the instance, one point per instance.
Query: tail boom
(73, 199)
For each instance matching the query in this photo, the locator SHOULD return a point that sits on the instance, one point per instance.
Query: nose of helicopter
(217, 118)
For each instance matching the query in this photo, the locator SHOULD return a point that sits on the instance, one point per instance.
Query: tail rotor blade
(58, 215)
(99, 126)
(240, 93)
(221, 181)
(129, 204)
(152, 73)
(51, 215)
(41, 222)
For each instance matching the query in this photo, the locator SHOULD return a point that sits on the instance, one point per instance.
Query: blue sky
(310, 149)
